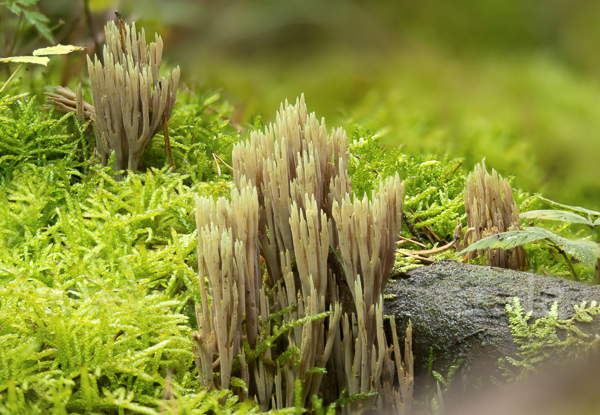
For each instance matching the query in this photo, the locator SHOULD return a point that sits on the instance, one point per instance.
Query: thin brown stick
(456, 168)
(435, 250)
(168, 151)
(568, 261)
(420, 258)
(417, 219)
(216, 162)
(217, 159)
(370, 165)
(406, 240)
(121, 29)
(411, 228)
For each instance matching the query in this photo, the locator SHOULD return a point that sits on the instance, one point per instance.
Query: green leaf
(561, 215)
(439, 377)
(356, 397)
(38, 20)
(584, 250)
(28, 2)
(238, 383)
(15, 8)
(575, 208)
(511, 239)
(35, 16)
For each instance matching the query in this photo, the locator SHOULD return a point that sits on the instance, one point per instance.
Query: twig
(360, 158)
(167, 140)
(411, 241)
(411, 228)
(568, 261)
(9, 79)
(217, 159)
(456, 168)
(435, 250)
(420, 258)
(472, 334)
(426, 227)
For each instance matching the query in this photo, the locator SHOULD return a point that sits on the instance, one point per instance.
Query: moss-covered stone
(459, 311)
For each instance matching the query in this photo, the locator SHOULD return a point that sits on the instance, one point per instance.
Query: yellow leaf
(56, 50)
(27, 59)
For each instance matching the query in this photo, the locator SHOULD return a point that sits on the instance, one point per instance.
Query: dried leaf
(27, 59)
(56, 50)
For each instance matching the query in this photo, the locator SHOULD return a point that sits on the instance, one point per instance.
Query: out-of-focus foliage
(515, 82)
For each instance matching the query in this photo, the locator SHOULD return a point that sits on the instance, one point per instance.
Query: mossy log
(458, 311)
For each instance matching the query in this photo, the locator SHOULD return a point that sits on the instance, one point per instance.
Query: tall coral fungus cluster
(312, 314)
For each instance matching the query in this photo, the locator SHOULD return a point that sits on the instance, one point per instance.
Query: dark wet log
(458, 311)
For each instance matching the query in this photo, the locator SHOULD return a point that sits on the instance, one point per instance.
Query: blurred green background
(515, 81)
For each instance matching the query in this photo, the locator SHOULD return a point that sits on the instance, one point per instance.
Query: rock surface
(458, 311)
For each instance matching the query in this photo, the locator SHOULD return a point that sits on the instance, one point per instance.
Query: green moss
(549, 339)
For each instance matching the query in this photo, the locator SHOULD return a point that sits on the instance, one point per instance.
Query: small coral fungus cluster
(310, 317)
(131, 100)
(491, 210)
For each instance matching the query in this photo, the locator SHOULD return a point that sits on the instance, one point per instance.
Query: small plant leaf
(575, 208)
(39, 21)
(561, 215)
(56, 50)
(40, 60)
(584, 250)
